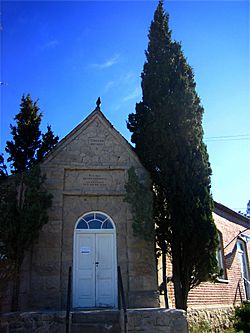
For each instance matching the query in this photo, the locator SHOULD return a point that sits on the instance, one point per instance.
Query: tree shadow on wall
(229, 257)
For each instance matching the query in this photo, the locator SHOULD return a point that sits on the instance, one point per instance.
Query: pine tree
(27, 147)
(167, 132)
(26, 136)
(23, 198)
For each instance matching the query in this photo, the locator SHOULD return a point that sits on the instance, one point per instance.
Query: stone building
(90, 226)
(90, 230)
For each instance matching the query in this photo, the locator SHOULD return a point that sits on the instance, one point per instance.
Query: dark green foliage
(3, 168)
(8, 210)
(161, 219)
(140, 197)
(163, 234)
(6, 275)
(167, 132)
(242, 318)
(26, 136)
(47, 143)
(23, 211)
(27, 147)
(23, 198)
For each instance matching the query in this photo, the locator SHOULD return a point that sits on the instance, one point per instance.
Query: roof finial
(98, 103)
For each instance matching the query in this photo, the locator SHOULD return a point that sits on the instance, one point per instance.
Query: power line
(238, 137)
(228, 136)
(228, 140)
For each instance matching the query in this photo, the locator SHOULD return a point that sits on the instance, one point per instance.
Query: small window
(95, 221)
(244, 266)
(220, 258)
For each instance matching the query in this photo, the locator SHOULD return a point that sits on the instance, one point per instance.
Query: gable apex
(82, 126)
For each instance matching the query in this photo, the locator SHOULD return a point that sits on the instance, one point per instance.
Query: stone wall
(210, 320)
(32, 322)
(157, 321)
(140, 320)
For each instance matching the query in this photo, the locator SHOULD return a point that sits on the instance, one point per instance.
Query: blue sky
(68, 53)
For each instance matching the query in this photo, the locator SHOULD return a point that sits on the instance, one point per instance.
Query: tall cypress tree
(167, 132)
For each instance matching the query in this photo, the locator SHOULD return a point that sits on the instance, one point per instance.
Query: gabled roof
(96, 113)
(218, 207)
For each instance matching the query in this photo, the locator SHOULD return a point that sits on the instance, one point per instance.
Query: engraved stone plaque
(97, 141)
(95, 181)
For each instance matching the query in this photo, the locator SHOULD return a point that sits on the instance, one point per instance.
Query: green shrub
(242, 318)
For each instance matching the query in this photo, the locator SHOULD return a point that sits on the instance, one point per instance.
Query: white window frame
(221, 259)
(246, 278)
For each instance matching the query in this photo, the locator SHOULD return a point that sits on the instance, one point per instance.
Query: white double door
(94, 270)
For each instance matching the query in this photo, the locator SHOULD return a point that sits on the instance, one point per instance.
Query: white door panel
(94, 270)
(85, 270)
(105, 270)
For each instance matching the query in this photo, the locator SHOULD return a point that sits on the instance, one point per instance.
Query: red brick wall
(221, 293)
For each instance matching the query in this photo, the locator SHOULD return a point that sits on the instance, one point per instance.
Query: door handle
(96, 263)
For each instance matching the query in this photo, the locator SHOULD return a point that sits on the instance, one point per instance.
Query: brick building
(233, 254)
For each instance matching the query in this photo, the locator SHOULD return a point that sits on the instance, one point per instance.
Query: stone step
(96, 328)
(95, 316)
(97, 321)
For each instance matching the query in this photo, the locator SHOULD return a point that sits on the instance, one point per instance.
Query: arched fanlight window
(95, 221)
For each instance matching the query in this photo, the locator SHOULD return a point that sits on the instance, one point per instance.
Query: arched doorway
(94, 262)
